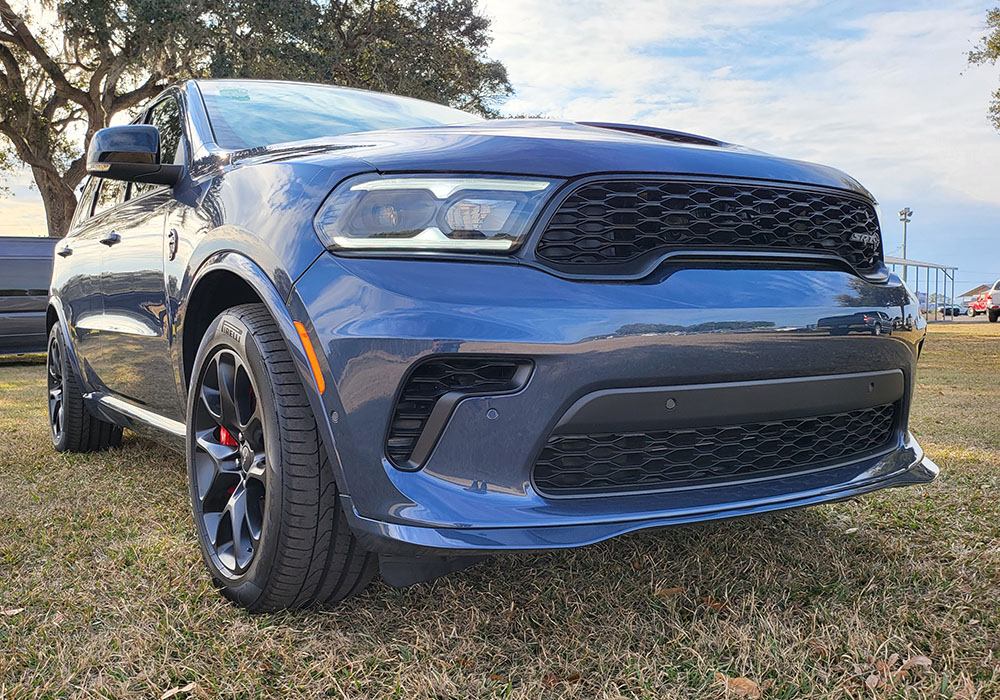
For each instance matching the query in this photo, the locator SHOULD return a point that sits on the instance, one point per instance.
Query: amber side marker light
(311, 354)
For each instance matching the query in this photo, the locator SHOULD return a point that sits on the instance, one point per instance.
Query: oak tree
(988, 51)
(67, 67)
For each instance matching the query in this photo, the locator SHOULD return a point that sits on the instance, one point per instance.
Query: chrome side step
(140, 420)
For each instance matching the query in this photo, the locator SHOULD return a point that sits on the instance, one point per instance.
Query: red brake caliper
(225, 438)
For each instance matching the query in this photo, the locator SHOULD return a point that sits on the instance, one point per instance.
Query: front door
(134, 357)
(137, 364)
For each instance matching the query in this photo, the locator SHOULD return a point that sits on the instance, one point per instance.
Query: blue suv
(393, 338)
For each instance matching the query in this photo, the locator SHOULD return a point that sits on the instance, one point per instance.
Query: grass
(102, 593)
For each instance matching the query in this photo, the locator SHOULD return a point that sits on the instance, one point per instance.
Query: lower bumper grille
(640, 461)
(435, 381)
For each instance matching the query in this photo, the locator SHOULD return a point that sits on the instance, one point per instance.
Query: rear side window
(111, 194)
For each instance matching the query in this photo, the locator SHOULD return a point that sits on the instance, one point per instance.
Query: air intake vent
(622, 462)
(620, 227)
(430, 393)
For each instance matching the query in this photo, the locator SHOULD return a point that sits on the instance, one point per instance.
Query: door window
(111, 194)
(165, 115)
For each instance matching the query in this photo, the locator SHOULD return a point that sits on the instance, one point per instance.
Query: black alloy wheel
(57, 389)
(230, 468)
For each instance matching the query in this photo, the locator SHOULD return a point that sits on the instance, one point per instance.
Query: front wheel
(266, 507)
(994, 315)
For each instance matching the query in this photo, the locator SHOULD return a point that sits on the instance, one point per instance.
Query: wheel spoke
(227, 393)
(258, 469)
(210, 400)
(55, 361)
(212, 459)
(212, 521)
(243, 544)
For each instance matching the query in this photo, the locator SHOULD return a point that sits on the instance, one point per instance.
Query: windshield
(246, 113)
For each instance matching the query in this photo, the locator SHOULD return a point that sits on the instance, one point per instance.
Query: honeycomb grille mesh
(621, 462)
(619, 226)
(430, 381)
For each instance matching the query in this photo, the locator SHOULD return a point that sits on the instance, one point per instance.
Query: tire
(994, 315)
(293, 547)
(877, 330)
(970, 312)
(72, 427)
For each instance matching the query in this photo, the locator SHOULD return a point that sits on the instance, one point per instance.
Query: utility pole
(904, 215)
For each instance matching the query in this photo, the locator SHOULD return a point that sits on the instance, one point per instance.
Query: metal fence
(933, 284)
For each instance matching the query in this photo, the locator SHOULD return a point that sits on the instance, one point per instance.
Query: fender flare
(240, 265)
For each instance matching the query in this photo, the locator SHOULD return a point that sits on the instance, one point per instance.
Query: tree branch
(23, 37)
(23, 149)
(151, 88)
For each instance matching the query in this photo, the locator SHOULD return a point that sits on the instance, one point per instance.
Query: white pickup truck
(993, 302)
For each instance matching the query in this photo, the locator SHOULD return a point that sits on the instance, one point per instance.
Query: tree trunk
(59, 200)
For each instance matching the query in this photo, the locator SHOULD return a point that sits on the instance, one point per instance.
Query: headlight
(487, 214)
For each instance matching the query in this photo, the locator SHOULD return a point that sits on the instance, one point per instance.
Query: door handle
(111, 239)
(64, 252)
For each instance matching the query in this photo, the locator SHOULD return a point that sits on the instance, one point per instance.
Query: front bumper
(686, 325)
(905, 466)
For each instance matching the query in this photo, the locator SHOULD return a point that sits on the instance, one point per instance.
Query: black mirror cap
(130, 153)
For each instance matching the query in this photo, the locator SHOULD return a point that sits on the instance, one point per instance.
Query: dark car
(392, 337)
(869, 322)
(25, 271)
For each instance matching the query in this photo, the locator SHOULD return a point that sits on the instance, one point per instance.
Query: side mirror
(130, 153)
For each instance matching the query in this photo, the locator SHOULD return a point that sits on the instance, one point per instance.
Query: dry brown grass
(98, 554)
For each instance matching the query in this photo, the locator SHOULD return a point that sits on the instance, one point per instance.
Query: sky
(880, 90)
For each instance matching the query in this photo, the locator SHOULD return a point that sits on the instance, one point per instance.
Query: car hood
(553, 149)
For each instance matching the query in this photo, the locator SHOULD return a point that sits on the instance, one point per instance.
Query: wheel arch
(55, 315)
(228, 279)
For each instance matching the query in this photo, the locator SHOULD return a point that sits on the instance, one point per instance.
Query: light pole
(904, 215)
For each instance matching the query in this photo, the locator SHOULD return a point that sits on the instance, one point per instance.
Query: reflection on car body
(871, 322)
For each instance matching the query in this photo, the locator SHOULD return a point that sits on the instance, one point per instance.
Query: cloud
(884, 95)
(22, 211)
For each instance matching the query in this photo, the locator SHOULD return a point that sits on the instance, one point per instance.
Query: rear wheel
(72, 427)
(270, 525)
(994, 315)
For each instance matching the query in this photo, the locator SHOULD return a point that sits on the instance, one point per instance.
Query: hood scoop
(657, 133)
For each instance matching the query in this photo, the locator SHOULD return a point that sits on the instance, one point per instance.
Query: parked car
(979, 305)
(390, 336)
(871, 322)
(25, 271)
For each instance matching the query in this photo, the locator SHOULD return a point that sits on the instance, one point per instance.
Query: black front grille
(622, 462)
(621, 226)
(433, 379)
